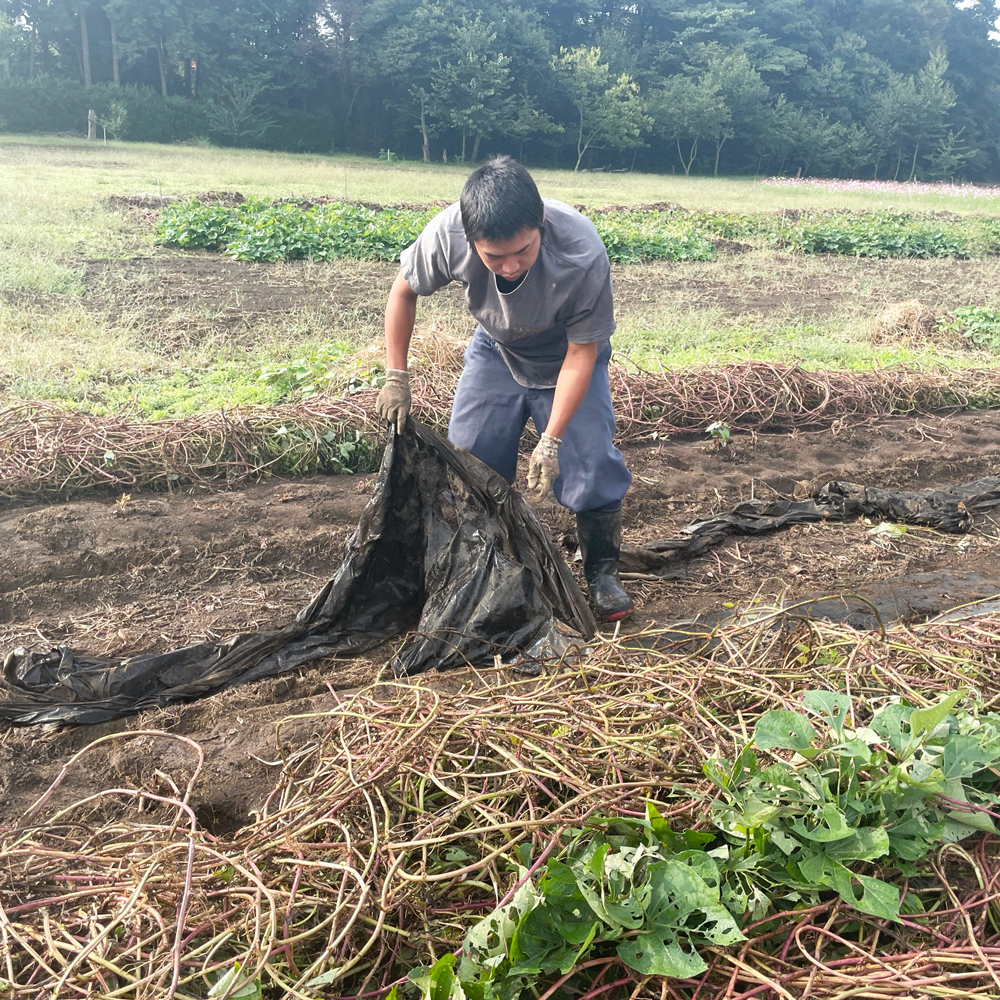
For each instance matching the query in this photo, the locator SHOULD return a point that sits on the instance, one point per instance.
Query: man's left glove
(393, 403)
(543, 467)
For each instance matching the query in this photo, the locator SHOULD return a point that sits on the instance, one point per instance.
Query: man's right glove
(393, 403)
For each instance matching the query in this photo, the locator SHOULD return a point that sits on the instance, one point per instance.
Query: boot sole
(619, 615)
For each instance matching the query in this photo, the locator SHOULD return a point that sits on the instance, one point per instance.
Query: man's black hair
(500, 200)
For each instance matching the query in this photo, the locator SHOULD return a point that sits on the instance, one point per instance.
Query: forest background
(874, 89)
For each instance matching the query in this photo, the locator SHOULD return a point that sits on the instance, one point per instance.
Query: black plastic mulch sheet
(444, 549)
(948, 510)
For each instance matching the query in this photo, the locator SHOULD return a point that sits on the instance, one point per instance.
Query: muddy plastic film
(447, 554)
(950, 510)
(445, 550)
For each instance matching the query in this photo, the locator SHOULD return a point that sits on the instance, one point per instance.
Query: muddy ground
(162, 571)
(157, 571)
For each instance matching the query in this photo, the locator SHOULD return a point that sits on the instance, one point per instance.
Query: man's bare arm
(571, 386)
(400, 314)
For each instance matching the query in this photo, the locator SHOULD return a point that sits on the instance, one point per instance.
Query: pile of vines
(412, 816)
(47, 451)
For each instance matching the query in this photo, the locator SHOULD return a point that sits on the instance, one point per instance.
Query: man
(537, 280)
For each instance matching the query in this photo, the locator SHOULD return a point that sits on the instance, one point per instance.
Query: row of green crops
(266, 231)
(260, 230)
(859, 234)
(809, 800)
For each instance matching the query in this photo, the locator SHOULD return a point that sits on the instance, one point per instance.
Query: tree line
(883, 89)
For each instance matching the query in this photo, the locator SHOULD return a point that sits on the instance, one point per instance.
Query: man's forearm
(400, 313)
(571, 386)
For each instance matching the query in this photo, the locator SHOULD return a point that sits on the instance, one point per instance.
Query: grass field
(94, 315)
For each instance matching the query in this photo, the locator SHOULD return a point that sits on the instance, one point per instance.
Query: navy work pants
(491, 410)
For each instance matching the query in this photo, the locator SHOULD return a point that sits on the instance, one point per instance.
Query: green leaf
(926, 720)
(831, 706)
(718, 770)
(683, 909)
(890, 721)
(911, 837)
(829, 824)
(490, 937)
(866, 844)
(961, 823)
(965, 754)
(439, 982)
(595, 866)
(550, 935)
(618, 913)
(671, 841)
(650, 955)
(227, 984)
(853, 749)
(783, 730)
(703, 866)
(878, 898)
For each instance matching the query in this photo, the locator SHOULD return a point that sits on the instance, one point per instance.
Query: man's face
(511, 258)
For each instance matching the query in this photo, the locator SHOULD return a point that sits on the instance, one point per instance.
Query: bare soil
(161, 571)
(182, 298)
(158, 571)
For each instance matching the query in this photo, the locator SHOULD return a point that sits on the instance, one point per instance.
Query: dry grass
(910, 322)
(47, 451)
(385, 838)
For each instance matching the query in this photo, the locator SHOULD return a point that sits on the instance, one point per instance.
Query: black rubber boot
(600, 535)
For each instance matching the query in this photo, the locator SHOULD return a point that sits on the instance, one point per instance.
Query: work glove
(393, 403)
(543, 467)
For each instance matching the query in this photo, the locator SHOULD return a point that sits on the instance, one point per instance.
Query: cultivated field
(332, 828)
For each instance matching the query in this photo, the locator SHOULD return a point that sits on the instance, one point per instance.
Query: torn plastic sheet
(949, 510)
(445, 549)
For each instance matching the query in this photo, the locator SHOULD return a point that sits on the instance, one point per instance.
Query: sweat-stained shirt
(566, 295)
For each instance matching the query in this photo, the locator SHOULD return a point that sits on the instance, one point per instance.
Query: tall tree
(12, 43)
(742, 91)
(144, 26)
(608, 112)
(340, 22)
(81, 13)
(843, 86)
(664, 32)
(911, 114)
(470, 90)
(686, 110)
(974, 72)
(405, 44)
(900, 32)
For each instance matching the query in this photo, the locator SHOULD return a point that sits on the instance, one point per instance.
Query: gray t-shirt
(565, 296)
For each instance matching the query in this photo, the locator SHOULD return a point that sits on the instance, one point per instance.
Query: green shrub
(152, 118)
(195, 225)
(977, 324)
(52, 104)
(631, 237)
(334, 366)
(272, 231)
(755, 227)
(891, 234)
(302, 131)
